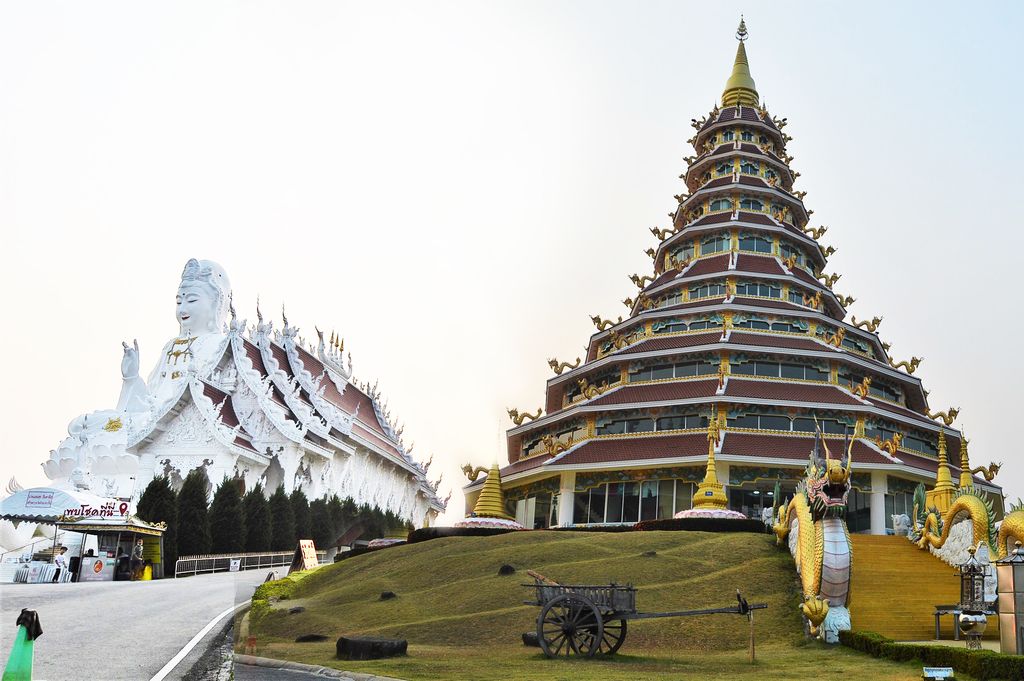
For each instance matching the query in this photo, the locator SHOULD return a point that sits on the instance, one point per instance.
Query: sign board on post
(235, 566)
(305, 556)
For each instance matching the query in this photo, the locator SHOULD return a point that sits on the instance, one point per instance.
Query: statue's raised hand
(130, 360)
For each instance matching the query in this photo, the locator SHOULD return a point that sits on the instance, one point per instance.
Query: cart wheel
(569, 625)
(613, 636)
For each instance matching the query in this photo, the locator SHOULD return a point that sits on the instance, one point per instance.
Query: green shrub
(427, 533)
(981, 664)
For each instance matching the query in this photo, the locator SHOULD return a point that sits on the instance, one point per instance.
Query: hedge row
(981, 664)
(427, 533)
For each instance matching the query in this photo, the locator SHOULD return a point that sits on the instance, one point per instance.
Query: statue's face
(196, 309)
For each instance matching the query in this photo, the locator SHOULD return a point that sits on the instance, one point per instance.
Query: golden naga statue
(697, 125)
(812, 301)
(910, 366)
(835, 339)
(473, 473)
(641, 281)
(618, 341)
(861, 390)
(891, 445)
(588, 391)
(662, 234)
(800, 195)
(816, 232)
(555, 446)
(645, 302)
(651, 252)
(677, 265)
(790, 262)
(601, 325)
(829, 279)
(846, 301)
(989, 473)
(827, 251)
(946, 417)
(871, 326)
(518, 418)
(628, 302)
(559, 367)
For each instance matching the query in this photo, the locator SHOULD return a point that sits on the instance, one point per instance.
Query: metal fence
(196, 565)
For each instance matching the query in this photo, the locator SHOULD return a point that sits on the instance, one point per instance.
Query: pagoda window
(724, 169)
(832, 426)
(749, 168)
(756, 244)
(728, 135)
(683, 253)
(671, 299)
(758, 324)
(796, 297)
(669, 326)
(705, 324)
(758, 290)
(770, 174)
(707, 291)
(662, 371)
(721, 204)
(897, 504)
(751, 204)
(763, 139)
(746, 136)
(682, 422)
(706, 176)
(678, 370)
(918, 445)
(788, 251)
(714, 244)
(787, 327)
(613, 507)
(760, 422)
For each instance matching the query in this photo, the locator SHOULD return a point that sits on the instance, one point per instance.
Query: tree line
(237, 522)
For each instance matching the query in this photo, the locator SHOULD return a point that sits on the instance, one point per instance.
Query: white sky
(457, 186)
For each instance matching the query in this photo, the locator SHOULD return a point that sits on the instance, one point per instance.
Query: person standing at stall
(137, 561)
(61, 562)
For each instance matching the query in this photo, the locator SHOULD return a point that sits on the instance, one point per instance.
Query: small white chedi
(253, 403)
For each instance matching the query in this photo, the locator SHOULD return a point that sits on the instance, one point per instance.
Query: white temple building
(251, 402)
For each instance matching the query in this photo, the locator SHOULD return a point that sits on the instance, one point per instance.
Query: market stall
(116, 534)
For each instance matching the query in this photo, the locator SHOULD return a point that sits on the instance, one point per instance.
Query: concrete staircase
(895, 586)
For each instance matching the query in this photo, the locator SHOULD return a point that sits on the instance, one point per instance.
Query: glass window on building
(898, 504)
(858, 511)
(728, 135)
(666, 498)
(749, 498)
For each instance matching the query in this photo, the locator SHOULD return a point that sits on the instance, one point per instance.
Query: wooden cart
(582, 619)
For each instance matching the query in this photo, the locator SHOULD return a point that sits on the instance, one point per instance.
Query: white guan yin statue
(253, 403)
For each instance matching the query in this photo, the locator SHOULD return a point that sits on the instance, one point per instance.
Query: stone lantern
(1010, 598)
(972, 620)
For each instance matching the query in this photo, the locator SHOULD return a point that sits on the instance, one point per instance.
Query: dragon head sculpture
(827, 483)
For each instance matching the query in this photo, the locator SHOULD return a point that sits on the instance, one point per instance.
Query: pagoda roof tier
(740, 149)
(746, 183)
(721, 117)
(745, 220)
(766, 267)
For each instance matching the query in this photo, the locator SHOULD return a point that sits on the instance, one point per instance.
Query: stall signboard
(151, 550)
(305, 556)
(97, 569)
(235, 565)
(109, 509)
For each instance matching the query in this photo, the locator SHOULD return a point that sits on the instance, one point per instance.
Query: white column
(566, 498)
(879, 487)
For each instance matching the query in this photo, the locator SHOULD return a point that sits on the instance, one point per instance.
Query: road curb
(326, 672)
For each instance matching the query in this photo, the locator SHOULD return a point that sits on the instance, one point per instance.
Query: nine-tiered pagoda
(737, 322)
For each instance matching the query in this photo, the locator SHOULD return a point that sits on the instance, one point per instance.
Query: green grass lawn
(463, 621)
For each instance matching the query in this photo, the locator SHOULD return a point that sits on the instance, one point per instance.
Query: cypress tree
(320, 524)
(227, 521)
(257, 520)
(282, 521)
(159, 504)
(336, 510)
(300, 512)
(193, 515)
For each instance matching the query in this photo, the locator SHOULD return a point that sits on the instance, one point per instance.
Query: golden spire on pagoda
(491, 503)
(710, 494)
(740, 88)
(941, 496)
(965, 463)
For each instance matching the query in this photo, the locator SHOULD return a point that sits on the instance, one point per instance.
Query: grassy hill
(463, 621)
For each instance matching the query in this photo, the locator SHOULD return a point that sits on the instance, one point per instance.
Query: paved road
(120, 630)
